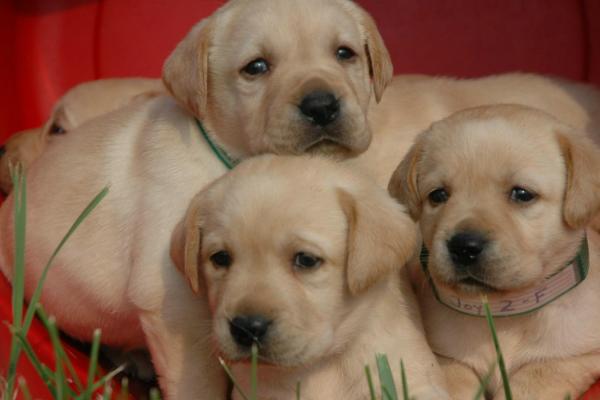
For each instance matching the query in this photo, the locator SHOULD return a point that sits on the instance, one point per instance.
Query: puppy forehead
(493, 149)
(256, 25)
(271, 203)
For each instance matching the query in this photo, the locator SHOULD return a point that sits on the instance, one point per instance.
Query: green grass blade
(93, 366)
(230, 375)
(60, 382)
(107, 392)
(58, 348)
(386, 379)
(124, 395)
(500, 357)
(101, 382)
(254, 373)
(298, 391)
(485, 381)
(405, 394)
(154, 394)
(18, 284)
(24, 389)
(370, 382)
(44, 372)
(38, 290)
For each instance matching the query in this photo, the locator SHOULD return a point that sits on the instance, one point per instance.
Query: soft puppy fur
(154, 158)
(260, 82)
(302, 257)
(80, 104)
(527, 185)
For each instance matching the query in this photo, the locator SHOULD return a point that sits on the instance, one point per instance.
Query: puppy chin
(341, 140)
(492, 286)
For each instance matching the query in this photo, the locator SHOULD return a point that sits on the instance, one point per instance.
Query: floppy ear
(403, 185)
(381, 238)
(380, 63)
(185, 73)
(185, 244)
(582, 193)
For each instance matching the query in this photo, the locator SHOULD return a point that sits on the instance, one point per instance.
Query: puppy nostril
(249, 329)
(466, 247)
(320, 107)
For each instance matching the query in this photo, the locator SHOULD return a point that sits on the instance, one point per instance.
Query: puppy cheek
(222, 334)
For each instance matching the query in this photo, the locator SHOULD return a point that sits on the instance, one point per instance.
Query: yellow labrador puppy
(155, 154)
(503, 195)
(250, 79)
(80, 104)
(302, 257)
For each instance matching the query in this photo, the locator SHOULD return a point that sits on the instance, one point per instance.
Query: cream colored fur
(80, 104)
(116, 269)
(328, 321)
(478, 156)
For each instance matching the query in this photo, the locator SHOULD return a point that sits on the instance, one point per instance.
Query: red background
(47, 46)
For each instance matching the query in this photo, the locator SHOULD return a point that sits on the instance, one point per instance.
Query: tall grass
(58, 378)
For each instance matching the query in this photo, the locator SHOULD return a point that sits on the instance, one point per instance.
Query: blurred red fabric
(49, 46)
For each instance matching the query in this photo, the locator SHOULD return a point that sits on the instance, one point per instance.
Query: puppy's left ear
(186, 243)
(185, 73)
(381, 237)
(582, 194)
(403, 184)
(380, 62)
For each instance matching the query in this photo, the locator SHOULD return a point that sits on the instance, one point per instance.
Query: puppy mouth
(328, 146)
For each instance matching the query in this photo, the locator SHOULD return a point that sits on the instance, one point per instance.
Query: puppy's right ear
(185, 73)
(186, 244)
(403, 185)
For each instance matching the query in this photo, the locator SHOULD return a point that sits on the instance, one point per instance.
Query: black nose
(320, 107)
(2, 150)
(248, 329)
(466, 247)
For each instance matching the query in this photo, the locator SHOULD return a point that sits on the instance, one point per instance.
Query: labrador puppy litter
(156, 153)
(305, 258)
(504, 196)
(80, 104)
(250, 79)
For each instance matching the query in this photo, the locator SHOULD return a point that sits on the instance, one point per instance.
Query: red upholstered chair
(46, 47)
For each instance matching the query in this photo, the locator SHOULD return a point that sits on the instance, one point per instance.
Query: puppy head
(80, 104)
(290, 252)
(283, 76)
(89, 100)
(502, 194)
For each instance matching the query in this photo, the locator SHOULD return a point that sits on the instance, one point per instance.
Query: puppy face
(289, 252)
(495, 190)
(283, 76)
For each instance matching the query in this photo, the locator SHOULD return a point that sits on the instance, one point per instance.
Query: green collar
(220, 152)
(521, 302)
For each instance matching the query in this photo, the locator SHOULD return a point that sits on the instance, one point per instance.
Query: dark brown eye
(259, 66)
(304, 260)
(221, 259)
(56, 129)
(438, 196)
(344, 53)
(520, 195)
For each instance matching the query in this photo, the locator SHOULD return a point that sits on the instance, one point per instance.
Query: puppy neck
(228, 161)
(520, 302)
